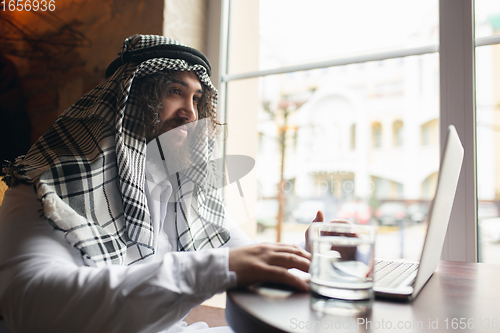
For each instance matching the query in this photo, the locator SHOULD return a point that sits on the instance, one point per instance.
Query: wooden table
(459, 297)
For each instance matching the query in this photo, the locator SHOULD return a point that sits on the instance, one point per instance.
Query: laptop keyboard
(391, 273)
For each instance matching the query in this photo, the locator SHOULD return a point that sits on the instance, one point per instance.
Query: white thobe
(45, 287)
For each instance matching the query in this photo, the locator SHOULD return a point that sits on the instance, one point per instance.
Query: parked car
(391, 213)
(417, 212)
(355, 211)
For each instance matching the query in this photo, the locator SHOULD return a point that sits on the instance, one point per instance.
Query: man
(102, 231)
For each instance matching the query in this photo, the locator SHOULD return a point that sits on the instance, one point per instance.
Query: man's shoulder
(18, 201)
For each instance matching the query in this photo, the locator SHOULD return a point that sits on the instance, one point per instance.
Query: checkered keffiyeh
(88, 170)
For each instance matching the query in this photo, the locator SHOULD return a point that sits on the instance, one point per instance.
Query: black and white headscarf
(88, 170)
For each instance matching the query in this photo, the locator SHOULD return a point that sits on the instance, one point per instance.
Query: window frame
(457, 107)
(457, 99)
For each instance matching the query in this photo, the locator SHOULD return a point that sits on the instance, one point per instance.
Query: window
(487, 70)
(386, 189)
(397, 133)
(429, 133)
(432, 96)
(377, 135)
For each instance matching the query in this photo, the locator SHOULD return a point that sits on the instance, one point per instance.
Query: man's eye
(196, 99)
(175, 91)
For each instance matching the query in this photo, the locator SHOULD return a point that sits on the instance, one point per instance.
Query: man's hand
(269, 262)
(319, 218)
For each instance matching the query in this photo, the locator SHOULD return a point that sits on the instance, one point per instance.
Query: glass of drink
(342, 261)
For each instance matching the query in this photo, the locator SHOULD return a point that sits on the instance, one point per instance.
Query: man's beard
(178, 156)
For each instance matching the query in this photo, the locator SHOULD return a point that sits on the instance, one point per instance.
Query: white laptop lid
(439, 215)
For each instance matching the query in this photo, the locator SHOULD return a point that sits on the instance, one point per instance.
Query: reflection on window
(397, 133)
(377, 135)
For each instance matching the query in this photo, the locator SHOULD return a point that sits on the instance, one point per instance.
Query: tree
(280, 115)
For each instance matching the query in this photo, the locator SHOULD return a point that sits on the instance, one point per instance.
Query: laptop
(404, 280)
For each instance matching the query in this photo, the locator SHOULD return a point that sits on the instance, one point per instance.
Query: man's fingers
(269, 263)
(280, 247)
(281, 275)
(319, 217)
(289, 260)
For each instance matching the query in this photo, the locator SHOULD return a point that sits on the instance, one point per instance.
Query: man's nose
(189, 110)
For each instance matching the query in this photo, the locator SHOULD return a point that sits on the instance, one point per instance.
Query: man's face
(180, 106)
